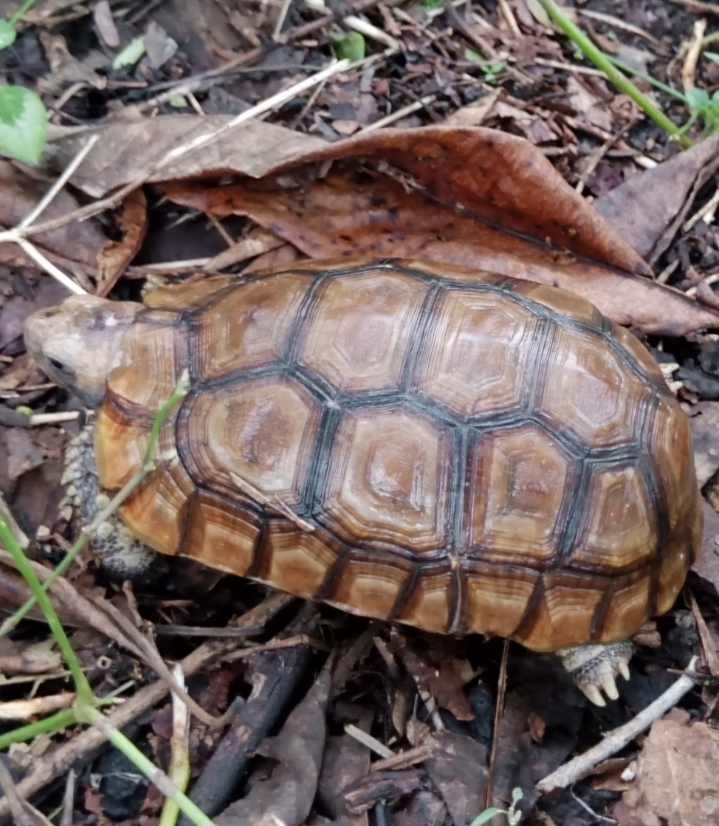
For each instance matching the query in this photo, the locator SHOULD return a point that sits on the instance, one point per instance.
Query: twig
(695, 49)
(281, 19)
(399, 114)
(702, 213)
(47, 265)
(498, 715)
(179, 770)
(19, 233)
(509, 17)
(580, 766)
(368, 740)
(597, 155)
(698, 6)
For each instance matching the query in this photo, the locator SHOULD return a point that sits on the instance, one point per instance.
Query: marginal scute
(563, 614)
(517, 483)
(258, 433)
(428, 605)
(477, 357)
(221, 533)
(369, 586)
(638, 352)
(674, 456)
(297, 560)
(249, 326)
(559, 301)
(619, 522)
(589, 391)
(358, 335)
(389, 479)
(120, 445)
(627, 609)
(155, 512)
(182, 296)
(672, 571)
(497, 599)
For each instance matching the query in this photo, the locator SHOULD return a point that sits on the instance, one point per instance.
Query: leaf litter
(503, 196)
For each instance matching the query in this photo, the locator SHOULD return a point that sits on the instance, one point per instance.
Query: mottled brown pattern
(451, 449)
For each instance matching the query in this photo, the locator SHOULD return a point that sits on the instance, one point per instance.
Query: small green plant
(350, 46)
(491, 69)
(86, 707)
(23, 116)
(703, 106)
(513, 814)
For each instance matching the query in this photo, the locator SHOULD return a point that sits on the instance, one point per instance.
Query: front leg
(595, 667)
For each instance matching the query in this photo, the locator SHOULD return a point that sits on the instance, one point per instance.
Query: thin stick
(695, 49)
(19, 233)
(60, 182)
(281, 19)
(580, 766)
(34, 253)
(498, 715)
(399, 114)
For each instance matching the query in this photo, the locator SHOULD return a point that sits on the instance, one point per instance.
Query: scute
(518, 482)
(357, 337)
(388, 479)
(479, 352)
(249, 326)
(589, 391)
(257, 433)
(415, 441)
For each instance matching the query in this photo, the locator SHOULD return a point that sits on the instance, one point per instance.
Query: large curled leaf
(23, 122)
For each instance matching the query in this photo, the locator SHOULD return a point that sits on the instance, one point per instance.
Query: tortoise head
(79, 342)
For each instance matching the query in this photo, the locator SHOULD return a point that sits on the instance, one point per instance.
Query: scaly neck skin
(78, 343)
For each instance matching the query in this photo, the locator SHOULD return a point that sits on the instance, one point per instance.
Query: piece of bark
(275, 675)
(286, 796)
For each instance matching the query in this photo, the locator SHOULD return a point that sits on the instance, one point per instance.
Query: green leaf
(7, 34)
(712, 56)
(470, 54)
(23, 123)
(517, 795)
(130, 55)
(350, 46)
(697, 98)
(486, 816)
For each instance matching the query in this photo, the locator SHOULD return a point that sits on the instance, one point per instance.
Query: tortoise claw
(595, 668)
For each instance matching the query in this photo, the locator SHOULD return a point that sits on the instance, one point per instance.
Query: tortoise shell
(448, 448)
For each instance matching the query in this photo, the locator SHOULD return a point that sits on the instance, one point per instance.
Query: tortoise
(419, 442)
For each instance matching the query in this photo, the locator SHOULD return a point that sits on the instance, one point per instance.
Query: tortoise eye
(57, 365)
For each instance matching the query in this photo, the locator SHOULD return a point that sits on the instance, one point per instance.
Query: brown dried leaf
(676, 776)
(707, 566)
(127, 151)
(475, 197)
(704, 422)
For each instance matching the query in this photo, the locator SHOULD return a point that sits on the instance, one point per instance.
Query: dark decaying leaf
(458, 768)
(287, 795)
(474, 197)
(78, 245)
(648, 209)
(704, 421)
(345, 760)
(707, 566)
